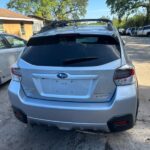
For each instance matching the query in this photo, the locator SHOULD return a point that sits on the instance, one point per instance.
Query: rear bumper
(70, 115)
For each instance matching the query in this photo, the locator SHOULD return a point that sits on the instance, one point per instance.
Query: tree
(134, 21)
(126, 7)
(50, 9)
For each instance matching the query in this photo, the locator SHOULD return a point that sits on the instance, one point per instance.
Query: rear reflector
(121, 123)
(124, 76)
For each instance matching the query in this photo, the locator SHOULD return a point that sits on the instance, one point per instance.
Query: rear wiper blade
(78, 60)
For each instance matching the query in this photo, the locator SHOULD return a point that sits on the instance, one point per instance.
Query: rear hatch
(72, 67)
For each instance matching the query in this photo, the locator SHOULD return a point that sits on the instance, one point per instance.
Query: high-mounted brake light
(124, 76)
(16, 74)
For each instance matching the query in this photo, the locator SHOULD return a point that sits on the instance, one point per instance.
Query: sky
(95, 9)
(3, 3)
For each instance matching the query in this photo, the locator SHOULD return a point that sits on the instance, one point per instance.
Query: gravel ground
(17, 136)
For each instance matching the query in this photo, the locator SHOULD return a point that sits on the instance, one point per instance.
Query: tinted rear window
(71, 50)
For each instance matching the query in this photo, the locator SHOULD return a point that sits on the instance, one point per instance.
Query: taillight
(16, 74)
(124, 76)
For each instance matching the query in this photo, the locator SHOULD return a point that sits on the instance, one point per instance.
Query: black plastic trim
(118, 128)
(22, 116)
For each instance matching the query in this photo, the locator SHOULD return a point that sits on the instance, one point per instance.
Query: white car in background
(10, 48)
(144, 31)
(140, 31)
(128, 31)
(122, 31)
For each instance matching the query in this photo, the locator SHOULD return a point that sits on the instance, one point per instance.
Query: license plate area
(75, 86)
(66, 87)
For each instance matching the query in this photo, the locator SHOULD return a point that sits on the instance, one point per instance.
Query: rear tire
(148, 34)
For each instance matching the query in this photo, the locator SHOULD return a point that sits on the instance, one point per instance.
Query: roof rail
(63, 23)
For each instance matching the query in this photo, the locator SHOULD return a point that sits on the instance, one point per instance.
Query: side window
(147, 28)
(2, 45)
(15, 42)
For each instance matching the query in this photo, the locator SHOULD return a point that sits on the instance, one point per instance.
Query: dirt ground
(15, 135)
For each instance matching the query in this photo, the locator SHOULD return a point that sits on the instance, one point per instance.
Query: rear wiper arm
(78, 60)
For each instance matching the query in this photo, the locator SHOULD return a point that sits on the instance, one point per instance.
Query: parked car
(122, 31)
(131, 31)
(10, 48)
(146, 31)
(76, 78)
(128, 31)
(140, 31)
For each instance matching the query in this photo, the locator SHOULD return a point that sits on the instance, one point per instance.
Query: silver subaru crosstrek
(74, 75)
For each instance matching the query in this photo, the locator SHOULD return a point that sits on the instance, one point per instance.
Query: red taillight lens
(16, 74)
(124, 76)
(125, 73)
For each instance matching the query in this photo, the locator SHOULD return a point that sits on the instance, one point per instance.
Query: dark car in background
(122, 31)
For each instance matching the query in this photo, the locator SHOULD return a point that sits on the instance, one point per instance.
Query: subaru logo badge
(62, 75)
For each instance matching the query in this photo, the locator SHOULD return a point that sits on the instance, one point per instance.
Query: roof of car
(88, 29)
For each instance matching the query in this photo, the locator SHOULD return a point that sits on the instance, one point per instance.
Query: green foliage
(50, 9)
(135, 21)
(126, 7)
(118, 7)
(119, 24)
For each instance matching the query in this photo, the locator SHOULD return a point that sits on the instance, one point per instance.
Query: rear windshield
(71, 50)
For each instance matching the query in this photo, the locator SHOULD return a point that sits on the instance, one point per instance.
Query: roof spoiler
(86, 20)
(63, 23)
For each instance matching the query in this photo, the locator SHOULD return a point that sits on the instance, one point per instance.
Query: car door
(144, 31)
(140, 31)
(5, 60)
(9, 54)
(16, 44)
